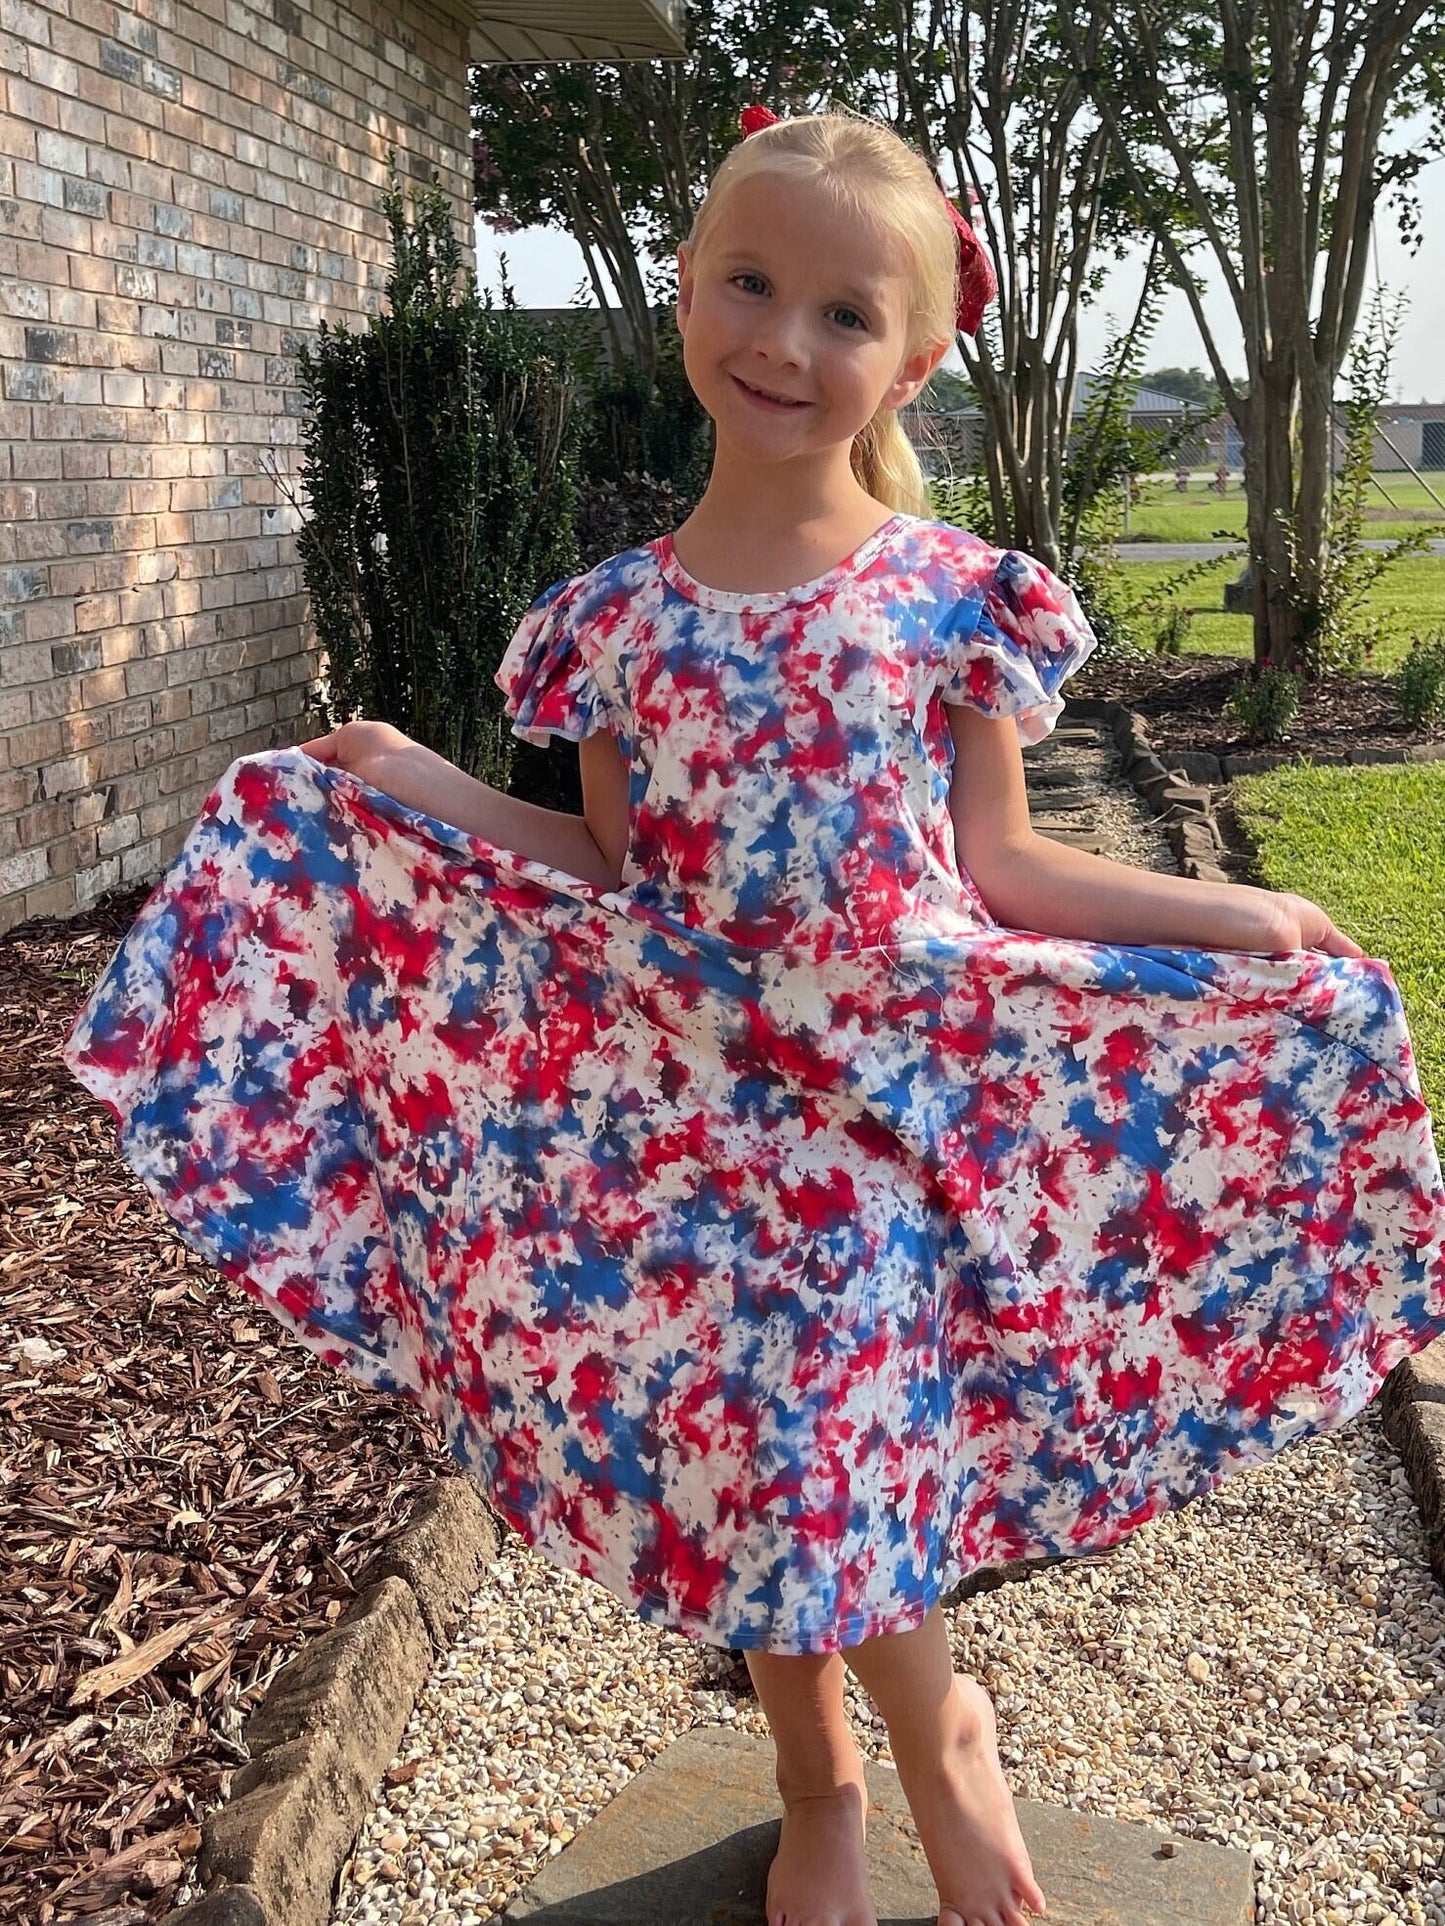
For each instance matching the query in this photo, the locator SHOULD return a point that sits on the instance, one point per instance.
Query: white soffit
(600, 30)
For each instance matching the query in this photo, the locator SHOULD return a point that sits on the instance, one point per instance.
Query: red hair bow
(977, 282)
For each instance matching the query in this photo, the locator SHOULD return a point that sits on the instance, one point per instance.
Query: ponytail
(887, 465)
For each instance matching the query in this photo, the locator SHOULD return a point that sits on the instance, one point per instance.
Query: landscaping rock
(1420, 1379)
(1199, 871)
(1417, 1431)
(1198, 765)
(286, 1832)
(1412, 1404)
(1253, 765)
(320, 1740)
(1187, 813)
(1134, 747)
(1010, 1573)
(350, 1678)
(1196, 837)
(231, 1906)
(1192, 797)
(1145, 766)
(1054, 798)
(1084, 839)
(440, 1553)
(1151, 778)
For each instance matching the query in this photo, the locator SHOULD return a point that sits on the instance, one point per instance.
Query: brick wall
(187, 187)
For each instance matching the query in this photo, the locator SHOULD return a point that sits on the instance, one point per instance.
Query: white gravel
(1118, 811)
(1262, 1670)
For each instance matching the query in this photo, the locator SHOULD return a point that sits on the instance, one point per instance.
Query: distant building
(952, 441)
(1410, 435)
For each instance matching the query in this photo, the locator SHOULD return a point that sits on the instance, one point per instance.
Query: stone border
(332, 1719)
(1178, 793)
(1412, 1398)
(1412, 1404)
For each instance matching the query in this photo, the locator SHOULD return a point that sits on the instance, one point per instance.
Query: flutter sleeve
(1010, 647)
(548, 685)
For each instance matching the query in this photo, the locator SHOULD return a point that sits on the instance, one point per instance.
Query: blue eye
(853, 325)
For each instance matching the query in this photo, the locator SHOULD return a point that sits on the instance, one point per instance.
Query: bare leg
(944, 1740)
(819, 1877)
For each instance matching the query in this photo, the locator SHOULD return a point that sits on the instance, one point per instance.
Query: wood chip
(187, 1493)
(107, 1680)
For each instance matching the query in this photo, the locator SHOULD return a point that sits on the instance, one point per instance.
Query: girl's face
(794, 321)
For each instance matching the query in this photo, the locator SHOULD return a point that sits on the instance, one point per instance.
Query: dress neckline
(739, 600)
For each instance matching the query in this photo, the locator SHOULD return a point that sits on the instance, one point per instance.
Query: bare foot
(964, 1812)
(820, 1874)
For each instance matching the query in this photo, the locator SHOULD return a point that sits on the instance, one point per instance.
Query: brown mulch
(185, 1494)
(1182, 698)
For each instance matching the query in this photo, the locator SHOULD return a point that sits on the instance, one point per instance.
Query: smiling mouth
(762, 394)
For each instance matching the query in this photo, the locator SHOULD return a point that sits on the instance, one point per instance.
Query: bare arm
(1032, 883)
(421, 779)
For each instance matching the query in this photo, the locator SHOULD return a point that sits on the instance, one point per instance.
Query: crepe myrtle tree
(619, 156)
(1281, 126)
(990, 87)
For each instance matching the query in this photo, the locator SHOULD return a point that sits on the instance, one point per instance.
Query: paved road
(1199, 551)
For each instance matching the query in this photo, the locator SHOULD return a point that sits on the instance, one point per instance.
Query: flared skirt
(776, 1290)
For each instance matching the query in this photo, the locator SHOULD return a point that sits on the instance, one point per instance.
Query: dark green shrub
(1264, 702)
(441, 453)
(657, 429)
(614, 515)
(1419, 682)
(646, 446)
(1099, 583)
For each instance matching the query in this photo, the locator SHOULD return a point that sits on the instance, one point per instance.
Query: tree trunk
(1305, 95)
(1286, 479)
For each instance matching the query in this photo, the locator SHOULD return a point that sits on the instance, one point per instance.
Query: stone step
(1062, 799)
(1073, 836)
(688, 1842)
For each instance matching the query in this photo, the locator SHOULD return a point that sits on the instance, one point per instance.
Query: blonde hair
(880, 178)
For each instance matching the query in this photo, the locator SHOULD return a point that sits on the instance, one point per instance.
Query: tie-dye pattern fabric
(777, 1238)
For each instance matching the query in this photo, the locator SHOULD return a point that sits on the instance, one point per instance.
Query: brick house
(187, 189)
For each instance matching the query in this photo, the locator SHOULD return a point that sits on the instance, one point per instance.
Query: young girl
(792, 1185)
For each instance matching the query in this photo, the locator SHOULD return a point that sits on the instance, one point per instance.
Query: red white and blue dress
(777, 1237)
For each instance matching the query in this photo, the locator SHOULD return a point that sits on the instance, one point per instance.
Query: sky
(545, 268)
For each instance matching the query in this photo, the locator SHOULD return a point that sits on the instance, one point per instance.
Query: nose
(780, 336)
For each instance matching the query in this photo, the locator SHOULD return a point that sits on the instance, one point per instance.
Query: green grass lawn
(1410, 595)
(1368, 845)
(1201, 515)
